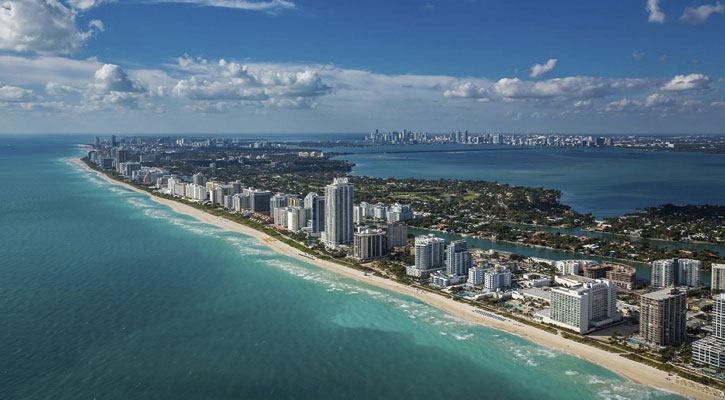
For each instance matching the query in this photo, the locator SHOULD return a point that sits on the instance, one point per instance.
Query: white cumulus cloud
(655, 12)
(276, 86)
(698, 15)
(658, 100)
(574, 87)
(58, 89)
(687, 82)
(43, 26)
(14, 94)
(538, 70)
(111, 78)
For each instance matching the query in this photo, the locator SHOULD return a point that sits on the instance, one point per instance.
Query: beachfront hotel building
(717, 279)
(497, 278)
(662, 317)
(259, 201)
(315, 206)
(476, 276)
(296, 218)
(674, 272)
(458, 259)
(429, 256)
(369, 244)
(584, 307)
(711, 350)
(339, 227)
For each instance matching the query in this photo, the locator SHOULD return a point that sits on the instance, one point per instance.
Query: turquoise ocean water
(105, 294)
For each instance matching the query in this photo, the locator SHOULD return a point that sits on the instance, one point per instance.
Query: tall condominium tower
(662, 317)
(673, 271)
(458, 259)
(339, 228)
(717, 281)
(429, 256)
(315, 206)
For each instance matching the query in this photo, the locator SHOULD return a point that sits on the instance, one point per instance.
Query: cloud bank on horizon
(63, 68)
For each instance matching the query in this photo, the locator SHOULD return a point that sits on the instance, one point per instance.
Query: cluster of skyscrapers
(452, 263)
(464, 137)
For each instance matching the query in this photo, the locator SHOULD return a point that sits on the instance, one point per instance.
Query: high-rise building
(429, 256)
(717, 279)
(458, 259)
(399, 212)
(96, 141)
(296, 218)
(199, 179)
(369, 244)
(397, 235)
(711, 349)
(315, 206)
(121, 157)
(584, 307)
(476, 276)
(662, 317)
(279, 200)
(240, 202)
(259, 201)
(688, 272)
(357, 214)
(339, 227)
(497, 278)
(380, 211)
(114, 143)
(673, 272)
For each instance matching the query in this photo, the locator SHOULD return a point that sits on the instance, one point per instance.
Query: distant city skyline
(277, 66)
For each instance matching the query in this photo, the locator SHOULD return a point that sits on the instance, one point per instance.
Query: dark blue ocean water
(105, 294)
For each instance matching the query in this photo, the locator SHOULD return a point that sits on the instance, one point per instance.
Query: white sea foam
(593, 380)
(136, 202)
(463, 336)
(571, 373)
(119, 191)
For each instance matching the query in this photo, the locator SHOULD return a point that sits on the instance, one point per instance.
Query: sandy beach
(629, 369)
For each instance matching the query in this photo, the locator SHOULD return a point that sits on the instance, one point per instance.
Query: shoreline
(628, 369)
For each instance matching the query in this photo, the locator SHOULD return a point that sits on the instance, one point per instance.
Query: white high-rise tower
(339, 228)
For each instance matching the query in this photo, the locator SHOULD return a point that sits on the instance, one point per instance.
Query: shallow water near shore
(107, 294)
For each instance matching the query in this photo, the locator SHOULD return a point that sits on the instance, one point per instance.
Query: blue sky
(633, 66)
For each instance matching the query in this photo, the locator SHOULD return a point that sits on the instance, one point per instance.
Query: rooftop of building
(662, 294)
(577, 278)
(711, 341)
